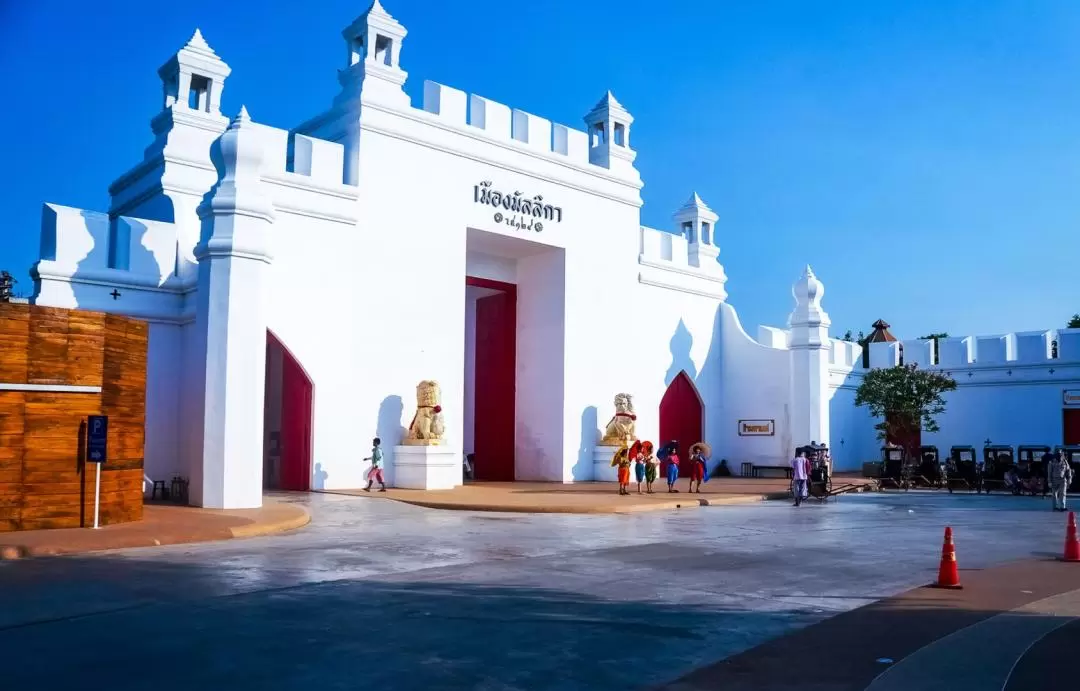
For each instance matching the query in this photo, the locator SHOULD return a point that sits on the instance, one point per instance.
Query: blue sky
(922, 155)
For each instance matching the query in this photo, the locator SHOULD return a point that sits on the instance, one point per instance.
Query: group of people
(647, 466)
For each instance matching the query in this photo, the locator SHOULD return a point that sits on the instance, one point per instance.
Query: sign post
(97, 452)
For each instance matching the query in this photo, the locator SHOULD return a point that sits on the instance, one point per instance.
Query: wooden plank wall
(44, 481)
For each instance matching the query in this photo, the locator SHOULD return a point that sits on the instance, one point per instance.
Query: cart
(931, 471)
(1031, 469)
(998, 460)
(894, 471)
(963, 472)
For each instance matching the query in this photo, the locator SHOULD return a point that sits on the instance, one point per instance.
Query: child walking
(375, 474)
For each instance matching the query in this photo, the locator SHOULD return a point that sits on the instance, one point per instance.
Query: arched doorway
(681, 415)
(288, 420)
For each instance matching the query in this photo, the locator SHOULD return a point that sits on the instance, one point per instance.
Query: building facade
(462, 241)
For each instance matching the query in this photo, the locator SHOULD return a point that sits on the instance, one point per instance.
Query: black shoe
(383, 489)
(367, 489)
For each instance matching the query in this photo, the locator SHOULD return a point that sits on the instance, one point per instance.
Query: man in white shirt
(800, 473)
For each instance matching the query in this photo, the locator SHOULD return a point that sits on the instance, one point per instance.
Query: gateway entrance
(287, 420)
(491, 317)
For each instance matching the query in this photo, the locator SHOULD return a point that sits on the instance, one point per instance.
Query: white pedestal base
(427, 467)
(602, 470)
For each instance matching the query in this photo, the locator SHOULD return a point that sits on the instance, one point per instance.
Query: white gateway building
(465, 242)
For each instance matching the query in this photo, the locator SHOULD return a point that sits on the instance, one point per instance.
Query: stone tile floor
(376, 593)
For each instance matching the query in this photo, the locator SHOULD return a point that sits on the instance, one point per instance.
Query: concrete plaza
(381, 594)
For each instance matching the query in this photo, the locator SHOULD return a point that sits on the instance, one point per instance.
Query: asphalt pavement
(380, 594)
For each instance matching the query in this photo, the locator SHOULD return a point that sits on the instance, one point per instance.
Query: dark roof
(881, 333)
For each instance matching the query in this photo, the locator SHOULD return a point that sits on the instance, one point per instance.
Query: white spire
(198, 44)
(808, 291)
(242, 116)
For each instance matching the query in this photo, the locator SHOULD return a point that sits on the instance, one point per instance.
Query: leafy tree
(906, 399)
(1074, 323)
(847, 336)
(7, 283)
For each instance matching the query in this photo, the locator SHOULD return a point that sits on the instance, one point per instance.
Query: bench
(756, 470)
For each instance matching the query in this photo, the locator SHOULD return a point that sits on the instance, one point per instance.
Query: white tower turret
(810, 347)
(373, 53)
(194, 78)
(608, 126)
(697, 223)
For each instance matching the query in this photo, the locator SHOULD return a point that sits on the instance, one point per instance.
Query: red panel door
(1071, 426)
(496, 343)
(681, 417)
(296, 417)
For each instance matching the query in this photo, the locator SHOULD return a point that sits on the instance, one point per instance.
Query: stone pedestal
(427, 467)
(602, 469)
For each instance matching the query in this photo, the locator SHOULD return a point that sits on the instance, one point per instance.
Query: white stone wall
(1009, 390)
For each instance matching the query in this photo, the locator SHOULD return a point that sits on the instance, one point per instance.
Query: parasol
(701, 448)
(619, 455)
(635, 449)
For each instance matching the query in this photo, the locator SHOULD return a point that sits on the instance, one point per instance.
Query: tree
(6, 286)
(848, 336)
(1074, 323)
(906, 399)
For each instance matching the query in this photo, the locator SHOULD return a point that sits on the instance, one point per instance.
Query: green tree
(906, 399)
(1074, 323)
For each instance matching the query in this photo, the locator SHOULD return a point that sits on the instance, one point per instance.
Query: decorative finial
(198, 42)
(242, 118)
(808, 272)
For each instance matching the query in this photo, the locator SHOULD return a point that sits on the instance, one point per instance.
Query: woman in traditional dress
(652, 465)
(670, 455)
(639, 463)
(622, 460)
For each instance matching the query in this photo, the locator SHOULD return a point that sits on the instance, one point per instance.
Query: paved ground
(380, 594)
(162, 524)
(598, 497)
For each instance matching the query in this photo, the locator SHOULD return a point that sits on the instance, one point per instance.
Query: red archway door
(296, 422)
(681, 416)
(495, 381)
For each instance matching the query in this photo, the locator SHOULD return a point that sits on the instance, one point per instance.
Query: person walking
(800, 474)
(1060, 476)
(375, 474)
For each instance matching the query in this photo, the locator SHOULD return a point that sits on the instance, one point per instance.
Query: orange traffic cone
(1072, 545)
(948, 572)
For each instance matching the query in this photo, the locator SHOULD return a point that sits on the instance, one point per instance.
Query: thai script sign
(1071, 396)
(757, 428)
(517, 211)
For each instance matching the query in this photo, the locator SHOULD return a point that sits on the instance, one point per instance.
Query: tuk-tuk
(963, 471)
(998, 459)
(1031, 469)
(1072, 455)
(892, 466)
(931, 468)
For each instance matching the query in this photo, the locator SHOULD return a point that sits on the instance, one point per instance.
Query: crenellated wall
(1010, 388)
(503, 123)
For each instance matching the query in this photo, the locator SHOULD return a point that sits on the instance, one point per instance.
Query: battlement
(301, 158)
(89, 243)
(455, 107)
(1023, 348)
(845, 354)
(671, 261)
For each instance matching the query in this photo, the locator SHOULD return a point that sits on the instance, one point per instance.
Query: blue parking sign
(97, 447)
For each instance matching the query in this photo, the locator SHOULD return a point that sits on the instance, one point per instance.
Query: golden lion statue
(427, 427)
(621, 428)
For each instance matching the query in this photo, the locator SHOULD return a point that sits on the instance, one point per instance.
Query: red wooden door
(1071, 426)
(681, 417)
(296, 418)
(496, 375)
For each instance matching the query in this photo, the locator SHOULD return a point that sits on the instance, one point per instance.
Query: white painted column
(233, 255)
(809, 363)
